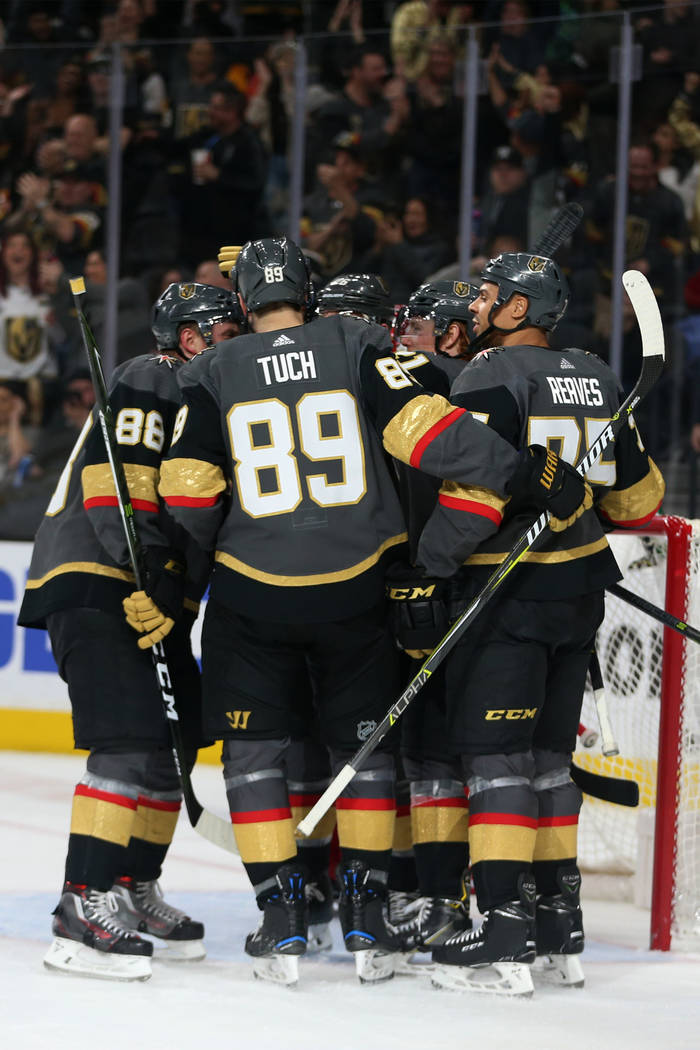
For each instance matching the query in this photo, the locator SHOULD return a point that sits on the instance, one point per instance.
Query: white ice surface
(633, 998)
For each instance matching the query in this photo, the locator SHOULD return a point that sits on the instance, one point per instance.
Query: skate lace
(403, 906)
(101, 908)
(314, 892)
(414, 915)
(150, 898)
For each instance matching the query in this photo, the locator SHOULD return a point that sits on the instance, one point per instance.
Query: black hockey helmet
(534, 276)
(189, 302)
(273, 270)
(363, 294)
(443, 302)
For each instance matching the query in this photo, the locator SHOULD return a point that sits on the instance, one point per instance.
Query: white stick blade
(647, 312)
(216, 830)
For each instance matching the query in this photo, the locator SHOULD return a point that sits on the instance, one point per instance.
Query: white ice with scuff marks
(633, 1000)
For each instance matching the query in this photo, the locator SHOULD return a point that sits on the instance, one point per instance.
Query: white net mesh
(614, 840)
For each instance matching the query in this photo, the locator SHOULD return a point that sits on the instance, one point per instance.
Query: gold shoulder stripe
(404, 430)
(314, 580)
(81, 566)
(141, 481)
(193, 478)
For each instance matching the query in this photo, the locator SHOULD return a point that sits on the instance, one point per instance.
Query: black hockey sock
(440, 866)
(93, 862)
(496, 881)
(375, 860)
(403, 876)
(143, 860)
(315, 857)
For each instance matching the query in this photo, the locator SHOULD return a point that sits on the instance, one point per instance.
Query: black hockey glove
(546, 480)
(418, 614)
(152, 612)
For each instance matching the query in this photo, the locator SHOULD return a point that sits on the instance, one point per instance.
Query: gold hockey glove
(145, 617)
(227, 258)
(153, 611)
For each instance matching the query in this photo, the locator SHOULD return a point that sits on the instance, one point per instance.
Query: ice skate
(495, 958)
(559, 935)
(142, 908)
(319, 897)
(434, 919)
(91, 941)
(281, 936)
(365, 929)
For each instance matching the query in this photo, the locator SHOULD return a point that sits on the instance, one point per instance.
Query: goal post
(652, 678)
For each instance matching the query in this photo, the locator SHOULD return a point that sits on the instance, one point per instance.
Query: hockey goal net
(650, 855)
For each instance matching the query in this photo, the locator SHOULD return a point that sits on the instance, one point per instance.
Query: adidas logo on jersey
(283, 340)
(562, 364)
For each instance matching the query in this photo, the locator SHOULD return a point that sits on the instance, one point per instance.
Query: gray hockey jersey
(278, 464)
(562, 400)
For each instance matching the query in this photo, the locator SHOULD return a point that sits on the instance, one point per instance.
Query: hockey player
(126, 805)
(437, 320)
(516, 678)
(363, 295)
(435, 330)
(295, 424)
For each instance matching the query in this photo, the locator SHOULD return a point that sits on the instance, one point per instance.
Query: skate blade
(76, 959)
(498, 978)
(562, 970)
(320, 938)
(412, 964)
(373, 965)
(277, 968)
(178, 951)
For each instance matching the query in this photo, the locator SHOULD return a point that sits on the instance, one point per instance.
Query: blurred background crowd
(137, 137)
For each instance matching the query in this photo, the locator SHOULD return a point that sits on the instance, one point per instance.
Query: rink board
(34, 705)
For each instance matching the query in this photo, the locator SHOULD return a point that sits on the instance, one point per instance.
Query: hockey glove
(552, 484)
(153, 611)
(418, 616)
(227, 258)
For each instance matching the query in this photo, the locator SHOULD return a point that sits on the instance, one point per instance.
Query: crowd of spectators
(209, 99)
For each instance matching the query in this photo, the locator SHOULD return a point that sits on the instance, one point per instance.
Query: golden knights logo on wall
(537, 264)
(186, 291)
(22, 338)
(461, 288)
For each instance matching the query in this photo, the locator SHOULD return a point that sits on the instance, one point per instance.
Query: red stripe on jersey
(472, 507)
(558, 822)
(191, 501)
(458, 803)
(431, 434)
(365, 803)
(303, 800)
(112, 501)
(105, 796)
(156, 803)
(514, 819)
(631, 523)
(260, 816)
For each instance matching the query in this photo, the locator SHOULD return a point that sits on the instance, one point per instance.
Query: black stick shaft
(666, 618)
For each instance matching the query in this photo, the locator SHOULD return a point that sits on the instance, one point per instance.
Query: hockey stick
(559, 230)
(216, 829)
(649, 320)
(608, 744)
(666, 618)
(608, 789)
